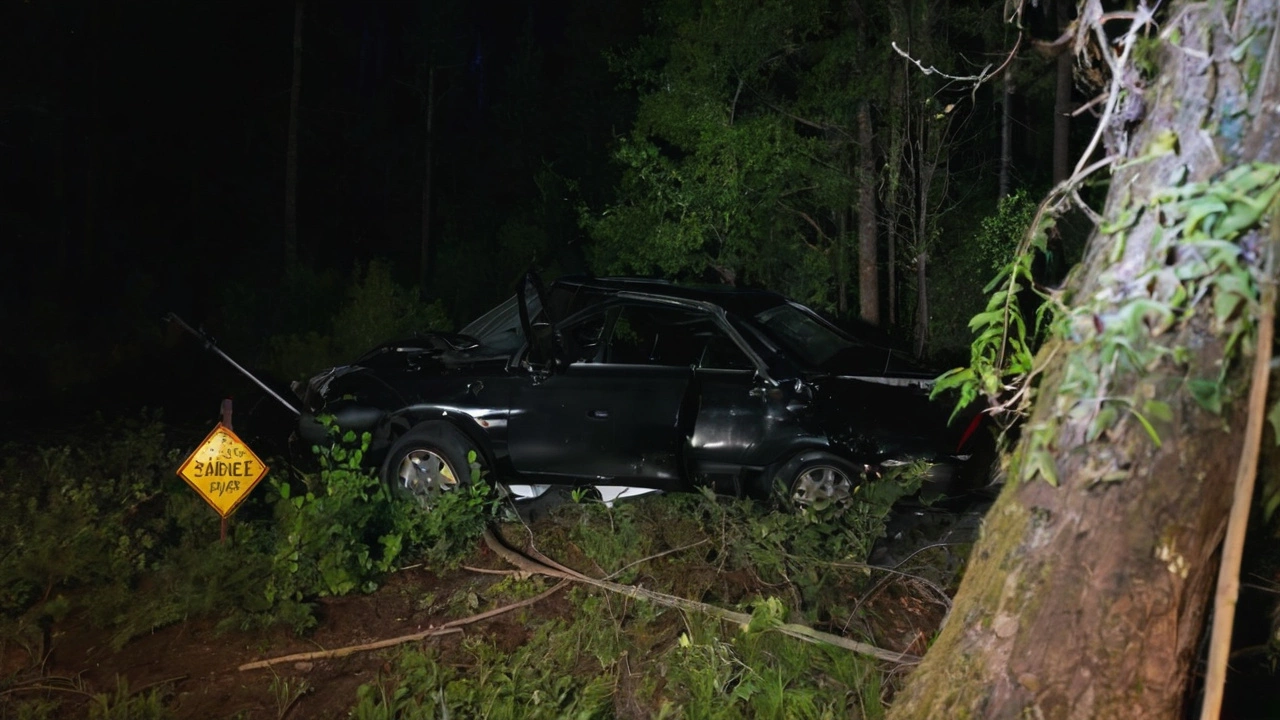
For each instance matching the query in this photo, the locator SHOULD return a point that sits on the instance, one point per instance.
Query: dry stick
(1224, 602)
(794, 630)
(454, 626)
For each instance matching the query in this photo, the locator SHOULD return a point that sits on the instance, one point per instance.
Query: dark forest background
(445, 148)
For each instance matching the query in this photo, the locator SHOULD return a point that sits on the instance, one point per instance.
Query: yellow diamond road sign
(223, 470)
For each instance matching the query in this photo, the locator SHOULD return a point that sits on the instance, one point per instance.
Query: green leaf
(1146, 425)
(1102, 422)
(1041, 462)
(1207, 393)
(1270, 505)
(1158, 410)
(1273, 416)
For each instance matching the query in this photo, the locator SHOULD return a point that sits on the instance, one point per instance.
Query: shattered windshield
(499, 329)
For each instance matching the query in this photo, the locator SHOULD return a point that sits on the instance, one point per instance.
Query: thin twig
(490, 571)
(672, 551)
(931, 70)
(454, 626)
(47, 688)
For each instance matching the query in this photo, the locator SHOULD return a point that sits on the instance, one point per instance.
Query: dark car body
(646, 384)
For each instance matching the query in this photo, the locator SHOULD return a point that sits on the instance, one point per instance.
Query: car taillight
(968, 432)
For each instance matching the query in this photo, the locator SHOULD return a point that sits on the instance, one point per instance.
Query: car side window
(633, 338)
(654, 335)
(582, 339)
(722, 353)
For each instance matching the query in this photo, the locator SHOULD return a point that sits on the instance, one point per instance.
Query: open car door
(535, 321)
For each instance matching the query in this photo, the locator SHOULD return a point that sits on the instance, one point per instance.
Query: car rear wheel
(428, 460)
(819, 482)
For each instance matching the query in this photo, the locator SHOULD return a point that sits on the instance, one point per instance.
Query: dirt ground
(198, 667)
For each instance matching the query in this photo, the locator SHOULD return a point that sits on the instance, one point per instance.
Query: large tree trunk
(291, 153)
(1087, 600)
(868, 257)
(893, 182)
(841, 262)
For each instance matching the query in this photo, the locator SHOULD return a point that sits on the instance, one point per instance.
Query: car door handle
(599, 414)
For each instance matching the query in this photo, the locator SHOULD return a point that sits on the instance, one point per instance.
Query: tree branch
(792, 629)
(1224, 601)
(448, 628)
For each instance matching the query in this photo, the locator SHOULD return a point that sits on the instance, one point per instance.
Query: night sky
(143, 147)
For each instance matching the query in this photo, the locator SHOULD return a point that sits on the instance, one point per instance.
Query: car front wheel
(428, 460)
(820, 482)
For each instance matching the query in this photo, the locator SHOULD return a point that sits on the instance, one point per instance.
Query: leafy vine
(1201, 256)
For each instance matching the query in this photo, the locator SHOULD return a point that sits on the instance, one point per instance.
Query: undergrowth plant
(543, 678)
(84, 524)
(342, 530)
(84, 515)
(618, 657)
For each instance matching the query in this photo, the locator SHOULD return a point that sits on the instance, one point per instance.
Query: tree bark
(922, 303)
(841, 269)
(868, 255)
(291, 154)
(1087, 600)
(893, 182)
(1006, 129)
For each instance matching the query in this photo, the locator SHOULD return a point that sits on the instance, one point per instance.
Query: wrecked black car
(636, 385)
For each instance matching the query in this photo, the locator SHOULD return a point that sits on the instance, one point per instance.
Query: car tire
(429, 459)
(817, 481)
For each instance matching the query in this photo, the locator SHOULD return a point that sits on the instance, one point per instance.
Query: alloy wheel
(822, 487)
(424, 474)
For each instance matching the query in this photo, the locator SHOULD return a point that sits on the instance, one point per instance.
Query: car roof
(745, 302)
(740, 301)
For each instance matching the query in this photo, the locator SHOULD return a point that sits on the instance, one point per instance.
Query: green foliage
(1196, 265)
(788, 549)
(124, 704)
(82, 515)
(999, 235)
(540, 679)
(334, 537)
(343, 530)
(84, 525)
(376, 308)
(719, 178)
(765, 675)
(673, 665)
(1002, 352)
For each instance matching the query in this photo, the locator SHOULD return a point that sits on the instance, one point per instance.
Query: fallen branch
(454, 626)
(1224, 601)
(553, 569)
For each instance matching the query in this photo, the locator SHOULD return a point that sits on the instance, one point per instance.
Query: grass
(609, 655)
(101, 530)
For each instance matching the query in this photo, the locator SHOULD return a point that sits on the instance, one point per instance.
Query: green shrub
(959, 272)
(376, 308)
(342, 531)
(84, 524)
